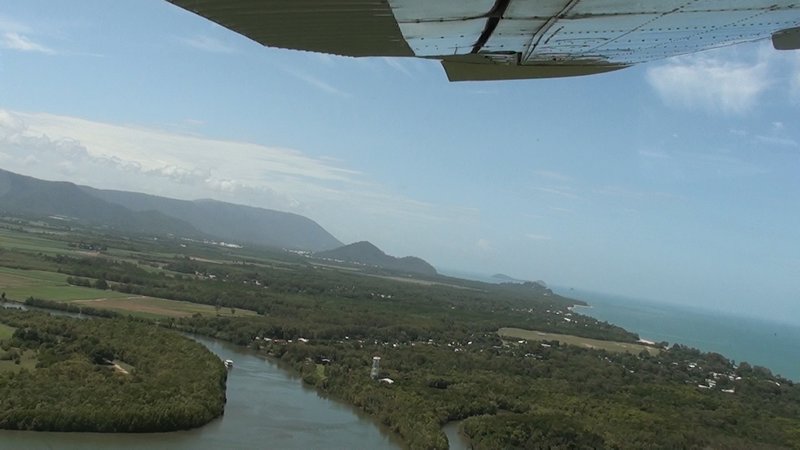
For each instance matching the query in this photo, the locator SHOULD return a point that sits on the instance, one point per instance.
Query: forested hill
(365, 253)
(232, 222)
(24, 195)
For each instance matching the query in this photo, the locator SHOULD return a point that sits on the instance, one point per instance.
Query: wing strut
(493, 18)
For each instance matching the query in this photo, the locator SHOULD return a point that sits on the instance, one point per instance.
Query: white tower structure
(376, 367)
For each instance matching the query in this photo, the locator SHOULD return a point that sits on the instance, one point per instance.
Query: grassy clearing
(20, 284)
(610, 346)
(27, 361)
(153, 307)
(6, 331)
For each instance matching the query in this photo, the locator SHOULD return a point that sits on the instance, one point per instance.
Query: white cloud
(208, 44)
(15, 41)
(710, 83)
(189, 167)
(730, 80)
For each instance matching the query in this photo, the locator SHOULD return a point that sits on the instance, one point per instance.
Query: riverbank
(265, 404)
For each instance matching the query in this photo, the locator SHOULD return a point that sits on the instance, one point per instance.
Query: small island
(109, 375)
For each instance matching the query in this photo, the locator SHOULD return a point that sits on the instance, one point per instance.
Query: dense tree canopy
(80, 383)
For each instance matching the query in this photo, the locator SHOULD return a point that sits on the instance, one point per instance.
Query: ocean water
(757, 341)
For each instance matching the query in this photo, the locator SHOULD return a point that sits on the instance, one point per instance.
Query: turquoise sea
(757, 341)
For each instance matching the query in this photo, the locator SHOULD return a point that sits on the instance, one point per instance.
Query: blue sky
(675, 181)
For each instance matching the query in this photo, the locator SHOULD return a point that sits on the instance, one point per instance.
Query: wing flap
(787, 39)
(478, 68)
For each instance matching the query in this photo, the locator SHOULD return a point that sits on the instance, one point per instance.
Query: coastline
(775, 345)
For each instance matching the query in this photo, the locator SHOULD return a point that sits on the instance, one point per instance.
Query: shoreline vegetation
(441, 358)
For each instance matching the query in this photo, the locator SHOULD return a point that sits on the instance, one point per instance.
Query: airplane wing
(509, 39)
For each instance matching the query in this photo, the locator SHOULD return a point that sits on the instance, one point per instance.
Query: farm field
(34, 242)
(19, 284)
(610, 346)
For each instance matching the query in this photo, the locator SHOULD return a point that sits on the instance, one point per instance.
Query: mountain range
(142, 213)
(134, 212)
(229, 221)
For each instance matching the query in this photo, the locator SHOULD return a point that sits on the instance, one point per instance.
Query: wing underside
(508, 39)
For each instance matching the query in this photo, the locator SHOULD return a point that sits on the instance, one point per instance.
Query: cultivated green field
(31, 242)
(20, 284)
(610, 346)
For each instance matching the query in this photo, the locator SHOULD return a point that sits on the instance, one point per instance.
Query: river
(267, 408)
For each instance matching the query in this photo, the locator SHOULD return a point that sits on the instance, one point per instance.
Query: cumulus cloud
(712, 82)
(730, 80)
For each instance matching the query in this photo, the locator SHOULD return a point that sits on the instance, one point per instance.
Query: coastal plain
(549, 376)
